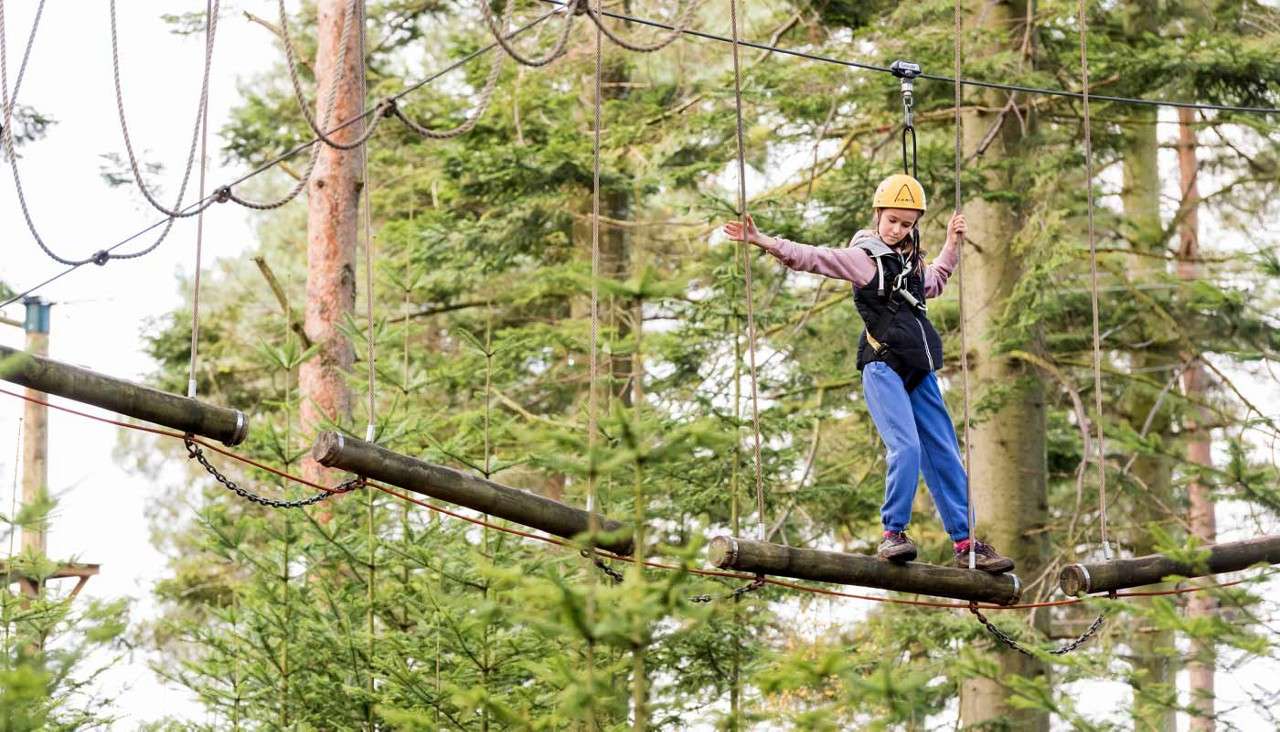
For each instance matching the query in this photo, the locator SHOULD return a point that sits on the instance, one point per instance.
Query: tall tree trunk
(1200, 667)
(1008, 455)
(1153, 666)
(1153, 671)
(331, 235)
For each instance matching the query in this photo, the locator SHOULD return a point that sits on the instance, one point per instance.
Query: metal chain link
(1009, 640)
(195, 453)
(755, 584)
(572, 8)
(612, 573)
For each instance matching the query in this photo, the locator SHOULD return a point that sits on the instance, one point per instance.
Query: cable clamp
(101, 257)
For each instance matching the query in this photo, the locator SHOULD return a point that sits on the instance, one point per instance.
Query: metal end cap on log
(242, 430)
(1074, 580)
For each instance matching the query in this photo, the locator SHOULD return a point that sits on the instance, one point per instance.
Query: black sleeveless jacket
(908, 342)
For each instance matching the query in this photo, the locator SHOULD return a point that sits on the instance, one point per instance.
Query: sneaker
(985, 557)
(896, 547)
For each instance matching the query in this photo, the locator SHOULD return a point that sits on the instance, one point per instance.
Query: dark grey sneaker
(896, 547)
(985, 557)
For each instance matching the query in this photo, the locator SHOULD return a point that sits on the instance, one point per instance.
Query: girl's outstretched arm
(851, 264)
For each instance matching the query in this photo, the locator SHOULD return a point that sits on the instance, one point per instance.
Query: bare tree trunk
(1203, 658)
(1008, 456)
(1154, 669)
(331, 236)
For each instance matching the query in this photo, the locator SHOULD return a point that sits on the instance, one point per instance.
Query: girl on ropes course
(898, 351)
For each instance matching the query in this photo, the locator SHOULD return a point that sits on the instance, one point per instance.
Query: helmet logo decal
(904, 195)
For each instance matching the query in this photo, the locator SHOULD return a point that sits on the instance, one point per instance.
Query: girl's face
(893, 224)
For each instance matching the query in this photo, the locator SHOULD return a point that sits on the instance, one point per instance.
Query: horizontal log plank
(437, 481)
(179, 413)
(758, 557)
(1119, 574)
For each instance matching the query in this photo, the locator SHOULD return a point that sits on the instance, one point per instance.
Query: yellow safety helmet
(899, 191)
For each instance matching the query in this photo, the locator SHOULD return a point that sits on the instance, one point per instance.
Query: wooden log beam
(1119, 574)
(746, 555)
(188, 416)
(334, 450)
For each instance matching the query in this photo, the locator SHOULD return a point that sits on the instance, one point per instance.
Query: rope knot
(581, 7)
(101, 257)
(388, 107)
(222, 195)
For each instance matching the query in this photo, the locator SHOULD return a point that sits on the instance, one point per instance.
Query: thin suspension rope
(937, 77)
(225, 192)
(9, 102)
(568, 544)
(964, 334)
(201, 114)
(570, 10)
(353, 14)
(746, 255)
(683, 16)
(210, 10)
(593, 358)
(1100, 450)
(371, 429)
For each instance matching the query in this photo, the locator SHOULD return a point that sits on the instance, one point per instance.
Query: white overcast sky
(100, 312)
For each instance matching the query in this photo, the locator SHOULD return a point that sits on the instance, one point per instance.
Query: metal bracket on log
(758, 557)
(368, 460)
(1119, 574)
(180, 413)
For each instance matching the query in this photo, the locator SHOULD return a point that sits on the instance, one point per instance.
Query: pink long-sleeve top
(854, 264)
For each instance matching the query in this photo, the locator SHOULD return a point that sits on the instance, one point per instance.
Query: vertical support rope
(371, 428)
(593, 358)
(204, 163)
(13, 533)
(746, 254)
(1093, 287)
(964, 336)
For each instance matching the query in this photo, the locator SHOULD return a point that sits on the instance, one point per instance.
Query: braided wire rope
(7, 149)
(556, 541)
(964, 331)
(201, 116)
(572, 8)
(1205, 106)
(224, 193)
(746, 254)
(352, 12)
(211, 10)
(482, 102)
(1100, 449)
(683, 17)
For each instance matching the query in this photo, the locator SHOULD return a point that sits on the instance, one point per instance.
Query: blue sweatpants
(918, 435)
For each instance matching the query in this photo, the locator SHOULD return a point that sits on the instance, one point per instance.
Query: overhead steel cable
(223, 193)
(937, 77)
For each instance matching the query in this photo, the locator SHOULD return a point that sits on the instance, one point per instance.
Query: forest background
(482, 251)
